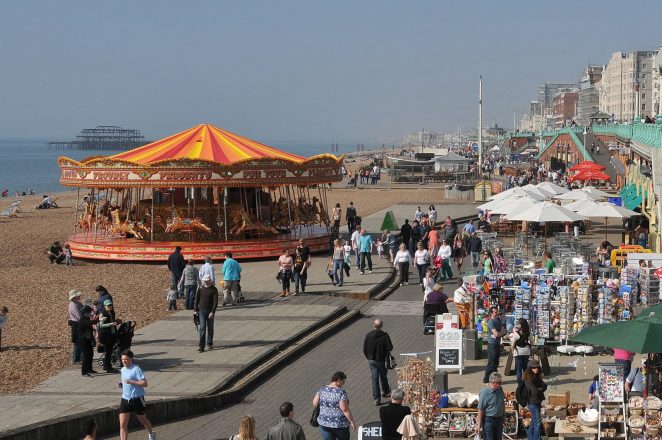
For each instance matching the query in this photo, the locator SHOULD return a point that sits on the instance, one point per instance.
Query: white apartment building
(627, 83)
(657, 82)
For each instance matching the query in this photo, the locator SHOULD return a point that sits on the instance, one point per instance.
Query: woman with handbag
(338, 262)
(285, 265)
(520, 346)
(335, 418)
(535, 389)
(459, 252)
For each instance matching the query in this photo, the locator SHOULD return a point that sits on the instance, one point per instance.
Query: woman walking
(246, 429)
(432, 215)
(336, 215)
(107, 328)
(338, 262)
(285, 265)
(520, 346)
(422, 258)
(488, 263)
(535, 389)
(335, 418)
(445, 253)
(300, 272)
(459, 252)
(402, 261)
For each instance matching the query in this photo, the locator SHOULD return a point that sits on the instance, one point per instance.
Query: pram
(122, 342)
(430, 311)
(436, 268)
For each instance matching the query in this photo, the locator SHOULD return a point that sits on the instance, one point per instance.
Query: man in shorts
(133, 396)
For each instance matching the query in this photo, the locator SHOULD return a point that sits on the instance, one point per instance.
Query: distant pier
(103, 137)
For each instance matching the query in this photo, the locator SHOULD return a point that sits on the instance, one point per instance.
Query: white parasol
(606, 210)
(578, 194)
(552, 188)
(542, 192)
(519, 191)
(579, 205)
(515, 205)
(547, 212)
(596, 192)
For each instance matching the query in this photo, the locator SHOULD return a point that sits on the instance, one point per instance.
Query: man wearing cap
(107, 328)
(75, 307)
(491, 409)
(231, 271)
(206, 302)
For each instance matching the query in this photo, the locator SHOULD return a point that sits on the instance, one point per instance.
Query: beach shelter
(590, 175)
(552, 188)
(640, 335)
(587, 165)
(606, 210)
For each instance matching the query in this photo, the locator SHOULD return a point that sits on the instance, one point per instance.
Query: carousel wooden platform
(87, 246)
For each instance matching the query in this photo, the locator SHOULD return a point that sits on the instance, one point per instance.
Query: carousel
(204, 189)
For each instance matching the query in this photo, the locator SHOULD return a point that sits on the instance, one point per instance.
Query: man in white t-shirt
(462, 299)
(355, 245)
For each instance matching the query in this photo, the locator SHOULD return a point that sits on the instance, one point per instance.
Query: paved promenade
(245, 337)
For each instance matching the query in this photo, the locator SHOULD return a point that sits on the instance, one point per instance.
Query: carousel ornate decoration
(205, 189)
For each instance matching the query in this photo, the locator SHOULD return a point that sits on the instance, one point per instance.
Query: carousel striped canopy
(207, 143)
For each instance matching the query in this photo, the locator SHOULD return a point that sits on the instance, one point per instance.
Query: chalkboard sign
(371, 431)
(449, 357)
(448, 346)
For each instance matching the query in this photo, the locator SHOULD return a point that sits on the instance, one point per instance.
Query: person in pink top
(433, 243)
(624, 357)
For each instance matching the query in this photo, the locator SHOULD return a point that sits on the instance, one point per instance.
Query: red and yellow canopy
(207, 143)
(202, 156)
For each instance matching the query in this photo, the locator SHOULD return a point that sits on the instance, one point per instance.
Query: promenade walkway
(250, 340)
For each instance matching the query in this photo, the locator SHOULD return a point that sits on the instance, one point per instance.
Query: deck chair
(54, 203)
(9, 212)
(16, 204)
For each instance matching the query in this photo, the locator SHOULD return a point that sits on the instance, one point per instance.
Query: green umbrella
(641, 335)
(657, 309)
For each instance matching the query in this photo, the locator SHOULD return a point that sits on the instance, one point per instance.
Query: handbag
(314, 415)
(279, 275)
(390, 362)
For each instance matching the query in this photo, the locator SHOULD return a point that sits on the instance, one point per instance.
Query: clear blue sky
(314, 71)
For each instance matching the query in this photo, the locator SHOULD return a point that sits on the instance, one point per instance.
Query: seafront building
(588, 102)
(626, 88)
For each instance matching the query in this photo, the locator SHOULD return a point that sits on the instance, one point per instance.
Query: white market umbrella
(552, 188)
(579, 205)
(542, 192)
(519, 191)
(496, 205)
(596, 192)
(518, 205)
(606, 210)
(547, 212)
(495, 148)
(578, 194)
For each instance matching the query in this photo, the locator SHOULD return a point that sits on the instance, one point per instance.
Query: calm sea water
(30, 164)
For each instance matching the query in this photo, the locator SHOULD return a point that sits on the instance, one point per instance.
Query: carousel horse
(178, 224)
(87, 218)
(249, 225)
(318, 208)
(119, 227)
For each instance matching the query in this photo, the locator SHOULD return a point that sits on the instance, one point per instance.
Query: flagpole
(480, 125)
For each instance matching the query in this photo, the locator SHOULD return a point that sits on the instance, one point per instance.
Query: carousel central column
(151, 229)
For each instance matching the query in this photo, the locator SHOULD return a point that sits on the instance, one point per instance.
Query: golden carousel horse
(178, 224)
(122, 228)
(318, 209)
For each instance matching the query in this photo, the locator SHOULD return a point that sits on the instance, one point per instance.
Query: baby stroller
(122, 342)
(436, 268)
(430, 311)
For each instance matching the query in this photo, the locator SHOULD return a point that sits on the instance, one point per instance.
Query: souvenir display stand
(611, 422)
(415, 378)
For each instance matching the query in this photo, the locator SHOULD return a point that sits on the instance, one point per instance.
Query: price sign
(448, 347)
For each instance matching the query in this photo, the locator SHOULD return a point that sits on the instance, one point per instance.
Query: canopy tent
(589, 175)
(606, 210)
(450, 162)
(552, 188)
(495, 148)
(587, 165)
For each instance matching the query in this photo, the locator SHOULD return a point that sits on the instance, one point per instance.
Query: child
(4, 316)
(380, 249)
(172, 299)
(593, 393)
(67, 255)
(348, 255)
(329, 269)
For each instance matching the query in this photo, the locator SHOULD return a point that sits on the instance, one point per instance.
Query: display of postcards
(610, 382)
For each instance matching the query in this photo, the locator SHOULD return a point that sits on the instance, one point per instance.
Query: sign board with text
(448, 346)
(370, 431)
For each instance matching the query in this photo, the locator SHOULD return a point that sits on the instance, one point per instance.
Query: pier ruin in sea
(103, 137)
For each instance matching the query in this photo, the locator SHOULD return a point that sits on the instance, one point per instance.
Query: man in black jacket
(392, 414)
(405, 234)
(377, 346)
(176, 265)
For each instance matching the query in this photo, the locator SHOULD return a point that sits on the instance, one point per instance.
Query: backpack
(521, 395)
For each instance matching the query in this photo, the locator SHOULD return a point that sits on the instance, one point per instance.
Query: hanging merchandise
(566, 312)
(542, 312)
(584, 310)
(649, 285)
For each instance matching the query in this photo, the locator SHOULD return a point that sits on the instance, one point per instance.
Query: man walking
(495, 329)
(133, 386)
(491, 409)
(365, 245)
(286, 428)
(475, 246)
(231, 276)
(207, 269)
(176, 265)
(350, 216)
(75, 307)
(377, 346)
(205, 305)
(392, 414)
(405, 234)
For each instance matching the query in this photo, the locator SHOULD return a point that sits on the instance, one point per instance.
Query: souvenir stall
(205, 189)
